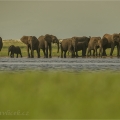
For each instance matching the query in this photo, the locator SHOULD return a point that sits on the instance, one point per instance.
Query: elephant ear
(24, 39)
(48, 38)
(116, 37)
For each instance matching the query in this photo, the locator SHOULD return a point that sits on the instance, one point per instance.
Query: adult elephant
(81, 46)
(78, 43)
(45, 43)
(1, 43)
(14, 50)
(66, 46)
(32, 44)
(94, 44)
(110, 41)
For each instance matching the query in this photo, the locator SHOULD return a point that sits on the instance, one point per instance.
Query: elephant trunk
(9, 49)
(32, 50)
(74, 48)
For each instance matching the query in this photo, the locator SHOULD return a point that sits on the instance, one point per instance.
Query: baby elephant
(14, 50)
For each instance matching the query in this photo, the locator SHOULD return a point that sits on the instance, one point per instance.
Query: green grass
(58, 95)
(7, 43)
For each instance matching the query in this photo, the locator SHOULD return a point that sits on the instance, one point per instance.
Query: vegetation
(7, 43)
(58, 95)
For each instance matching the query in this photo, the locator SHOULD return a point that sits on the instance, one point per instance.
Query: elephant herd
(70, 45)
(87, 44)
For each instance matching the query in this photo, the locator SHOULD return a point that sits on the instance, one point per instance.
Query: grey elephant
(14, 50)
(1, 43)
(78, 43)
(66, 46)
(110, 41)
(45, 43)
(81, 46)
(94, 44)
(32, 44)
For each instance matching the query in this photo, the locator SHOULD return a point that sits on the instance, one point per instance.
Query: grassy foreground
(7, 43)
(49, 95)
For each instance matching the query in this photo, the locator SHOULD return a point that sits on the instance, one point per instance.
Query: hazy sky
(61, 18)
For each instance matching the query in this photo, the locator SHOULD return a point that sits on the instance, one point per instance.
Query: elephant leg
(96, 51)
(50, 49)
(88, 52)
(100, 52)
(28, 51)
(46, 55)
(104, 52)
(46, 49)
(118, 50)
(76, 54)
(83, 51)
(61, 53)
(13, 55)
(21, 55)
(17, 55)
(65, 54)
(44, 52)
(93, 52)
(112, 48)
(38, 52)
(32, 53)
(72, 54)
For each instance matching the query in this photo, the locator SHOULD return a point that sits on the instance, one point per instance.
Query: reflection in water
(60, 64)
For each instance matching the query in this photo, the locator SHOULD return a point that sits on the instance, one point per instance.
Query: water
(60, 64)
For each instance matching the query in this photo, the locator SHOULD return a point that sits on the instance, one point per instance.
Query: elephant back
(41, 41)
(35, 39)
(111, 38)
(17, 50)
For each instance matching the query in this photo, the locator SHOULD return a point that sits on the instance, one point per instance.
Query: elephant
(45, 43)
(82, 46)
(66, 46)
(76, 47)
(14, 50)
(110, 41)
(94, 44)
(32, 44)
(1, 44)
